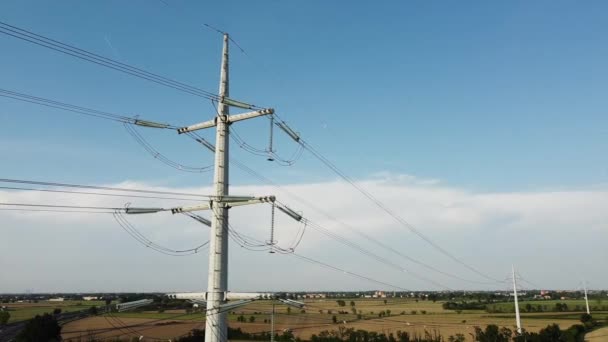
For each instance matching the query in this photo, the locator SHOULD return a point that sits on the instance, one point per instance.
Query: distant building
(59, 299)
(315, 295)
(89, 298)
(379, 294)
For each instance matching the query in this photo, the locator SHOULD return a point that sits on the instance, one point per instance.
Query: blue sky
(495, 96)
(483, 96)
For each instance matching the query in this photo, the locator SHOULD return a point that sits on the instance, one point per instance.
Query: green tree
(352, 303)
(586, 318)
(493, 334)
(551, 333)
(93, 310)
(251, 319)
(288, 310)
(4, 317)
(40, 328)
(334, 319)
(456, 338)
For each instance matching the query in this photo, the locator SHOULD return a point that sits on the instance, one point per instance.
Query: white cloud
(550, 230)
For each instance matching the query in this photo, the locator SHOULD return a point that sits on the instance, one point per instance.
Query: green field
(548, 305)
(24, 311)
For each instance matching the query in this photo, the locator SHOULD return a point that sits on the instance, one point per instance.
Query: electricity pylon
(517, 319)
(216, 322)
(586, 298)
(216, 297)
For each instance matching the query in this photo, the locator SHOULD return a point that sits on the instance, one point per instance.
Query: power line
(305, 258)
(236, 137)
(64, 106)
(128, 122)
(159, 156)
(82, 54)
(137, 235)
(56, 184)
(57, 206)
(388, 211)
(376, 201)
(326, 265)
(56, 211)
(366, 236)
(380, 259)
(97, 193)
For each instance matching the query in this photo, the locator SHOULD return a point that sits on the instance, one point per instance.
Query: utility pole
(272, 325)
(517, 320)
(216, 325)
(586, 299)
(216, 328)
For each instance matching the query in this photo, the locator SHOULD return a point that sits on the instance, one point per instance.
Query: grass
(25, 311)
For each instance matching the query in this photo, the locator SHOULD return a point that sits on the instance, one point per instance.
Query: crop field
(599, 335)
(318, 315)
(24, 311)
(548, 305)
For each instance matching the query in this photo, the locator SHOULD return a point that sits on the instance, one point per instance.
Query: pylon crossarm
(131, 210)
(133, 305)
(197, 296)
(233, 305)
(289, 212)
(291, 302)
(231, 119)
(294, 135)
(225, 201)
(258, 200)
(234, 103)
(198, 301)
(196, 127)
(202, 296)
(250, 115)
(187, 209)
(151, 124)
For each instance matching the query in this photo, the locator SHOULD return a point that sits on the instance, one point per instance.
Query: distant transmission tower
(517, 319)
(586, 299)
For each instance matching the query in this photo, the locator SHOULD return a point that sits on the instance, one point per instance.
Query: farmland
(26, 310)
(408, 315)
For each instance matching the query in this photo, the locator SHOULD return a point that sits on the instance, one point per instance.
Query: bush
(93, 310)
(40, 328)
(4, 317)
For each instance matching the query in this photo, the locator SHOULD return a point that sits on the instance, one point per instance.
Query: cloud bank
(554, 238)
